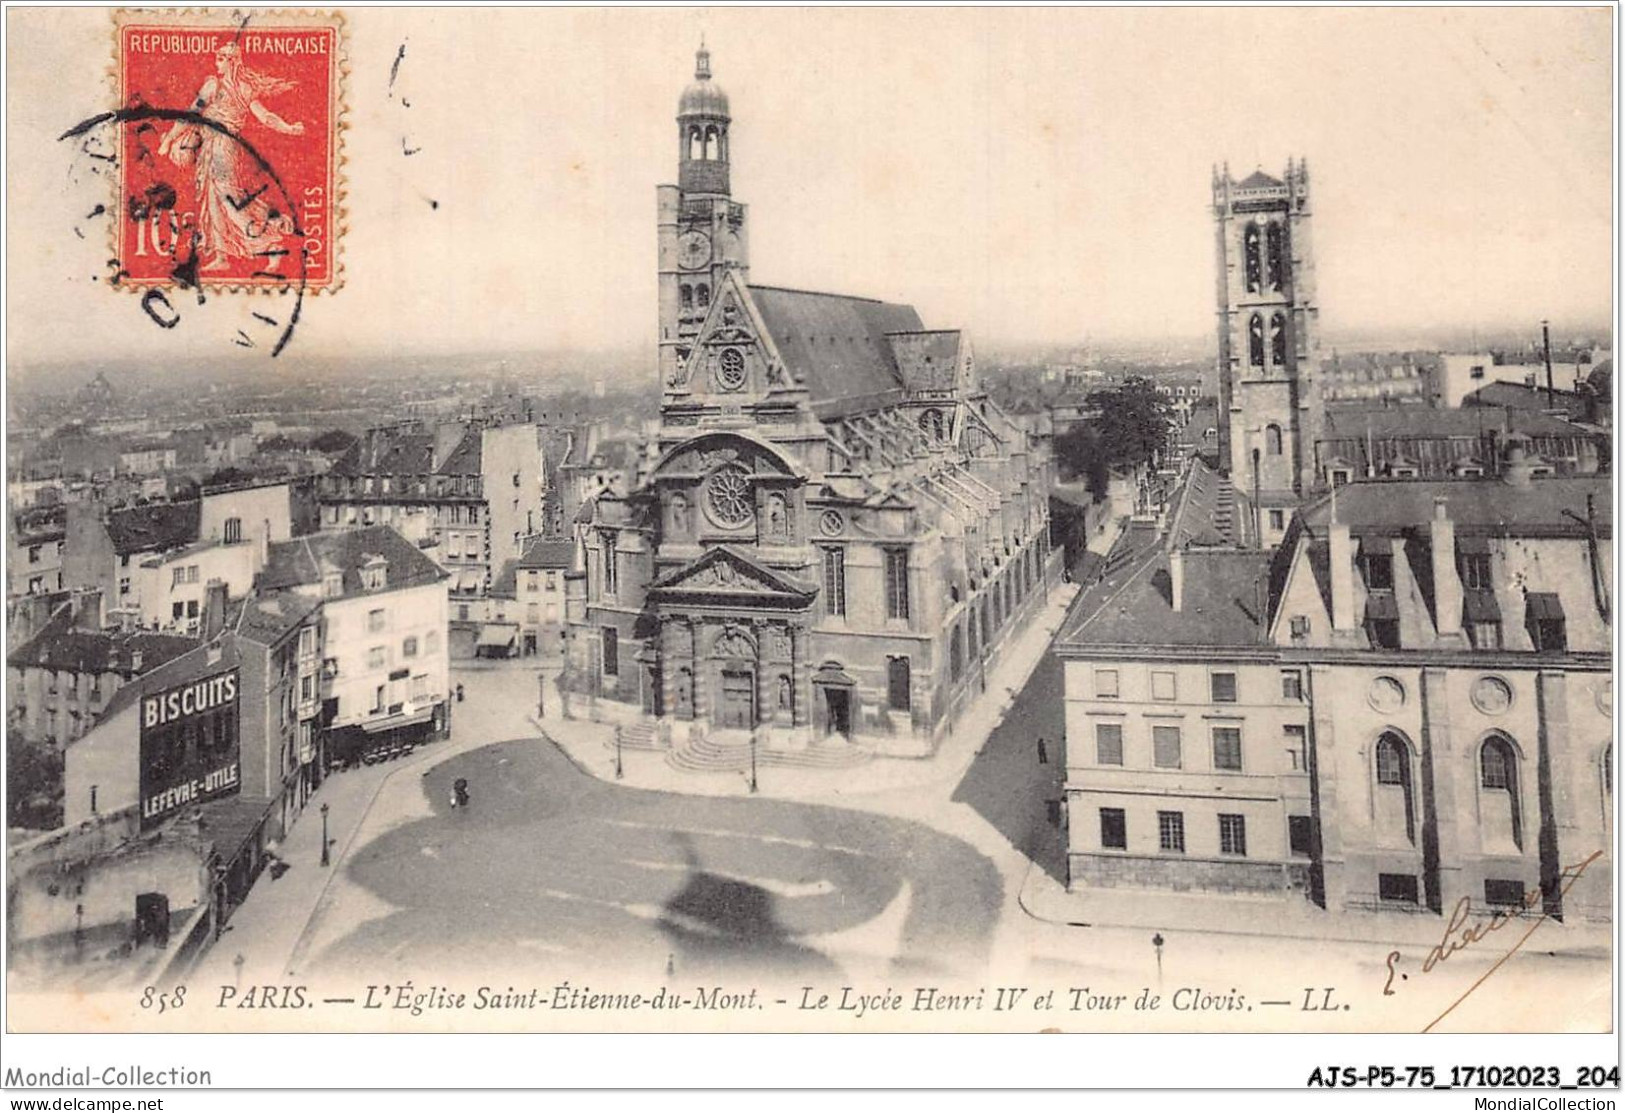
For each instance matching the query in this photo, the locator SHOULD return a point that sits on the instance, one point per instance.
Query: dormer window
(1379, 571)
(333, 585)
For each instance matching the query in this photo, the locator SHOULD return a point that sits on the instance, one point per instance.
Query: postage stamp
(229, 149)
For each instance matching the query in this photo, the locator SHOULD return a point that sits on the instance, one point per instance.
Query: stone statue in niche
(679, 514)
(683, 694)
(776, 519)
(781, 642)
(784, 693)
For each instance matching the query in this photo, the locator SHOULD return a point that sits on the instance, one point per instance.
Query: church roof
(1259, 180)
(926, 360)
(838, 346)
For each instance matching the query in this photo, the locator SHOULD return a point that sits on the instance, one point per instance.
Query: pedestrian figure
(459, 693)
(1043, 752)
(459, 793)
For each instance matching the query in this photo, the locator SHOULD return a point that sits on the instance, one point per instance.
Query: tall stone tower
(702, 232)
(1269, 340)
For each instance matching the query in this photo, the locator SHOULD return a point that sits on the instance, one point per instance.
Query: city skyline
(925, 158)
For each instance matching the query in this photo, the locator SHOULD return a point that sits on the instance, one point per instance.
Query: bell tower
(701, 230)
(1270, 409)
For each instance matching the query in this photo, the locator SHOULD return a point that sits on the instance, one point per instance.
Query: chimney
(1518, 471)
(1341, 558)
(1446, 584)
(135, 662)
(1176, 577)
(214, 609)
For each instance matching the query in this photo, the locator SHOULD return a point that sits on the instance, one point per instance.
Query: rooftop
(304, 559)
(1224, 595)
(1551, 506)
(61, 646)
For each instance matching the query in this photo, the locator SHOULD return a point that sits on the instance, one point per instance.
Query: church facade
(841, 533)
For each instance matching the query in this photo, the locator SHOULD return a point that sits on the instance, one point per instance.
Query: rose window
(731, 369)
(728, 496)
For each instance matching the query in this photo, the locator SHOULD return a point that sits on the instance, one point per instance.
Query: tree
(33, 784)
(1133, 422)
(1079, 453)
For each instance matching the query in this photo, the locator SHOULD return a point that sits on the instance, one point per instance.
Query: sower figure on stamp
(235, 220)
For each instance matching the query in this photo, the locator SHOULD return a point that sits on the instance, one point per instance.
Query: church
(840, 533)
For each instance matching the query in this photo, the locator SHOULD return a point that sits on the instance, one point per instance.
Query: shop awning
(1479, 605)
(395, 722)
(1381, 606)
(1544, 606)
(497, 635)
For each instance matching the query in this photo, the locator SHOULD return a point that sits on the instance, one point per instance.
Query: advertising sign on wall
(189, 746)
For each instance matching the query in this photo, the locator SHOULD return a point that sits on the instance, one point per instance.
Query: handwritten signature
(1459, 934)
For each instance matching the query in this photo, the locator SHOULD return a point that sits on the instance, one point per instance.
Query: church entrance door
(737, 710)
(838, 705)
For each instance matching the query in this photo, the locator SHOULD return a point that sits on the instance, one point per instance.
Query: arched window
(1272, 440)
(696, 144)
(1255, 341)
(685, 297)
(712, 148)
(1395, 800)
(1254, 263)
(1500, 812)
(1278, 339)
(702, 296)
(1276, 244)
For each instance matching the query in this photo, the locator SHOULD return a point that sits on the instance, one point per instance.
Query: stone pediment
(725, 571)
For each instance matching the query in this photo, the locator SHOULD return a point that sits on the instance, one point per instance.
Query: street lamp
(618, 770)
(1156, 944)
(753, 760)
(324, 835)
(541, 694)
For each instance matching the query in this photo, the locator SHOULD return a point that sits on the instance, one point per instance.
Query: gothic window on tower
(1272, 440)
(1276, 245)
(696, 144)
(685, 297)
(702, 296)
(1278, 339)
(712, 150)
(1254, 260)
(1255, 341)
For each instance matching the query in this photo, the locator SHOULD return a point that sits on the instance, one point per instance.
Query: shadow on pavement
(1015, 782)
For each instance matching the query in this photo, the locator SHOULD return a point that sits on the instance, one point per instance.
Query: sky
(1038, 176)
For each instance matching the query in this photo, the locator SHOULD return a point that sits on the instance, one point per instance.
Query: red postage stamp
(229, 153)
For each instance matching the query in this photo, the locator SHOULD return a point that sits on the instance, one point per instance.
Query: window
(1379, 571)
(1340, 476)
(834, 581)
(1272, 441)
(1300, 835)
(1165, 747)
(378, 698)
(1105, 683)
(1397, 887)
(897, 683)
(1502, 893)
(1223, 687)
(897, 583)
(1277, 519)
(1475, 571)
(33, 558)
(178, 611)
(233, 530)
(1255, 341)
(1163, 686)
(1113, 829)
(956, 655)
(376, 657)
(409, 647)
(1108, 743)
(606, 549)
(1227, 748)
(1292, 685)
(1297, 737)
(1391, 761)
(375, 620)
(1548, 627)
(1501, 810)
(178, 577)
(307, 688)
(552, 581)
(1233, 834)
(612, 651)
(1171, 831)
(1253, 257)
(1484, 635)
